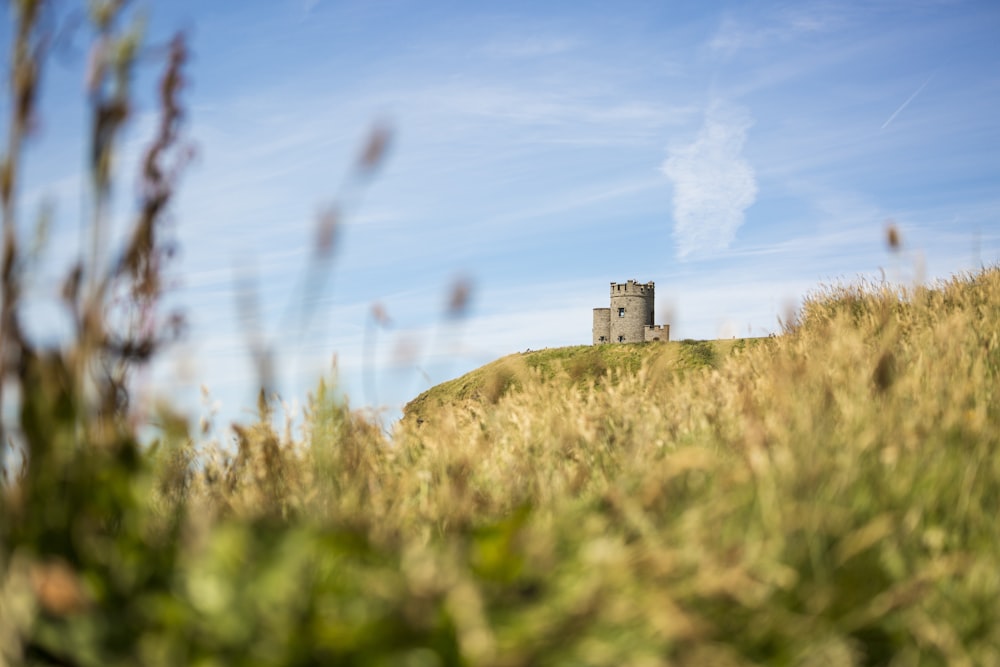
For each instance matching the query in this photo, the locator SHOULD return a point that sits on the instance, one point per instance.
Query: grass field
(824, 497)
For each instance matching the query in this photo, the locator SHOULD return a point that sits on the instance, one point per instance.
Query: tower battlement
(630, 317)
(631, 287)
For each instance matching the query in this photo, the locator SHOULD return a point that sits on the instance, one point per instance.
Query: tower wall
(602, 325)
(631, 311)
(658, 332)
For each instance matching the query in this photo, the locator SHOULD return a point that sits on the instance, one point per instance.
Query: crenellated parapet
(632, 288)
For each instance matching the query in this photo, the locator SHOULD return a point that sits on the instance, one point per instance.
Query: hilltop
(575, 366)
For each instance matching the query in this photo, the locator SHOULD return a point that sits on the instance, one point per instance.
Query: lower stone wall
(660, 332)
(602, 326)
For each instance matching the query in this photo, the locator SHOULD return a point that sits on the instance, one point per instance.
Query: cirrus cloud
(713, 183)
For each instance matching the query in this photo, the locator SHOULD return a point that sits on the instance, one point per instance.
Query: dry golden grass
(825, 497)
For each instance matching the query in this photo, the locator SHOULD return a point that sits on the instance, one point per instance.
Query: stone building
(630, 317)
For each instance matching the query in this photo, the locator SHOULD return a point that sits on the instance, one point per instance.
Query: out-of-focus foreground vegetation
(827, 497)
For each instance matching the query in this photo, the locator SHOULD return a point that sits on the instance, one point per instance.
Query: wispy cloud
(572, 200)
(530, 46)
(737, 34)
(906, 103)
(713, 183)
(542, 104)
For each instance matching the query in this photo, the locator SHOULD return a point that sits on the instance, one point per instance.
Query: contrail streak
(906, 103)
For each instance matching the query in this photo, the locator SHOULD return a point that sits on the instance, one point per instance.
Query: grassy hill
(574, 366)
(826, 497)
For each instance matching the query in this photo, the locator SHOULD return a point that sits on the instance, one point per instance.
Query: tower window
(621, 339)
(621, 312)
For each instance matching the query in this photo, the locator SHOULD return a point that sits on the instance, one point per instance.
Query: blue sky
(738, 154)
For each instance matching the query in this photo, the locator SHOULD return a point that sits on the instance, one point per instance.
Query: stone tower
(630, 317)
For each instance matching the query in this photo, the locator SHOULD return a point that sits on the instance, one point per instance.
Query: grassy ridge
(574, 366)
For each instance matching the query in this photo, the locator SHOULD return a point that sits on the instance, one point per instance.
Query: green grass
(574, 367)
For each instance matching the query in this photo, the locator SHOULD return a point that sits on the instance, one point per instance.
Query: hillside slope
(574, 366)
